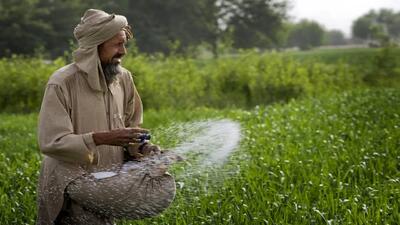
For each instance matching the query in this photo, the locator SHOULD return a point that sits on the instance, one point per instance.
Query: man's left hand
(150, 149)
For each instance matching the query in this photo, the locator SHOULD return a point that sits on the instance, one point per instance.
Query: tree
(334, 37)
(390, 20)
(62, 17)
(162, 26)
(31, 25)
(306, 35)
(361, 27)
(158, 25)
(255, 23)
(20, 26)
(379, 26)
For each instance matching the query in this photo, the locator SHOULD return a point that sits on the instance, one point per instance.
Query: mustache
(117, 56)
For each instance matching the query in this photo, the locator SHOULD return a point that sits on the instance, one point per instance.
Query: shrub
(246, 80)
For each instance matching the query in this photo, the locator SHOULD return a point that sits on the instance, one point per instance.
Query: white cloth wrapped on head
(95, 28)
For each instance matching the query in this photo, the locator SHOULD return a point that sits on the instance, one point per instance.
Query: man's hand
(150, 149)
(119, 137)
(138, 151)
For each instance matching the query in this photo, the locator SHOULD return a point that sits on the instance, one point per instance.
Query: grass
(327, 160)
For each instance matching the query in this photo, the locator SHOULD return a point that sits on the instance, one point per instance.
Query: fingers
(156, 149)
(137, 134)
(138, 130)
(146, 150)
(132, 141)
(150, 149)
(125, 136)
(133, 135)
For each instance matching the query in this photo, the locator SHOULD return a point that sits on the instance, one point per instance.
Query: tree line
(46, 26)
(382, 26)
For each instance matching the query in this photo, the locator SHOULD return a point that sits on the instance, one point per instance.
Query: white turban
(95, 28)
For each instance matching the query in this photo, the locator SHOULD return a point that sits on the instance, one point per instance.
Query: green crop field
(320, 137)
(328, 160)
(244, 81)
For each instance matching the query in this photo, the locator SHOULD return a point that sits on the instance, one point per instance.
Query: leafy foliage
(23, 82)
(383, 24)
(306, 35)
(168, 26)
(331, 159)
(255, 23)
(246, 80)
(46, 26)
(37, 26)
(334, 37)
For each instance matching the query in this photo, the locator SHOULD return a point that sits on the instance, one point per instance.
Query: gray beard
(110, 71)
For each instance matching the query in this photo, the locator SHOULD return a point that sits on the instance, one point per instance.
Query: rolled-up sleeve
(56, 134)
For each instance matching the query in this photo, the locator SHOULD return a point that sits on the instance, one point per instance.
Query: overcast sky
(337, 14)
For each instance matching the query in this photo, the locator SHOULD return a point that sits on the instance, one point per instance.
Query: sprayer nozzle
(144, 137)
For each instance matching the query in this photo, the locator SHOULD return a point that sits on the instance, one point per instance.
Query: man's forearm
(101, 138)
(119, 137)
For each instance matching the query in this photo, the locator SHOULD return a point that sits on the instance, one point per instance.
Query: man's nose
(122, 50)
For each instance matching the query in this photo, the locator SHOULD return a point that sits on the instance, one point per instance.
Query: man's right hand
(119, 137)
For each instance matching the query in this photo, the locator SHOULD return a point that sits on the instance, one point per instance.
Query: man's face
(112, 51)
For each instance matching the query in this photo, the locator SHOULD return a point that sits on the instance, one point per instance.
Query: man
(91, 110)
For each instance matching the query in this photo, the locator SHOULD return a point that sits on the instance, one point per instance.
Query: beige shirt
(71, 111)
